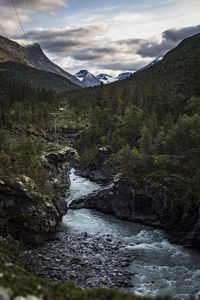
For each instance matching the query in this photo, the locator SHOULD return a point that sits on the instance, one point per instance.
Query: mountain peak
(87, 78)
(34, 45)
(31, 55)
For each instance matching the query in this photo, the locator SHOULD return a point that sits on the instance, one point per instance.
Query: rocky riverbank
(88, 260)
(31, 214)
(150, 206)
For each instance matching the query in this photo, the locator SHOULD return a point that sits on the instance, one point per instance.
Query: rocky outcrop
(29, 214)
(99, 172)
(58, 163)
(25, 213)
(150, 206)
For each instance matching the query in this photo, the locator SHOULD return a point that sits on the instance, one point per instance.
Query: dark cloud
(177, 35)
(128, 66)
(170, 39)
(153, 49)
(85, 44)
(38, 5)
(86, 56)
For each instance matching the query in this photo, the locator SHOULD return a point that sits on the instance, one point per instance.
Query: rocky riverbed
(88, 260)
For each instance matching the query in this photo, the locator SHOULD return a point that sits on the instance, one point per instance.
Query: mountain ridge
(31, 55)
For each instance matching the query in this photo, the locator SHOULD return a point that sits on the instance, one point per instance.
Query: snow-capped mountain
(87, 78)
(105, 78)
(152, 63)
(90, 80)
(125, 75)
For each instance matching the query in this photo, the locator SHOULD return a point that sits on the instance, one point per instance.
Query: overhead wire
(12, 1)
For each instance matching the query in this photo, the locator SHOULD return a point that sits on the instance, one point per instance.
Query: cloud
(89, 46)
(170, 39)
(25, 9)
(123, 66)
(68, 33)
(178, 34)
(70, 41)
(38, 5)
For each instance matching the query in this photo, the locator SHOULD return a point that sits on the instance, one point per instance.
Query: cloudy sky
(103, 36)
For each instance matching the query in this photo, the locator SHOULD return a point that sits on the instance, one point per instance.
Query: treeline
(22, 104)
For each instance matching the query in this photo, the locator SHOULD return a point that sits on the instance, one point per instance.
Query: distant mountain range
(87, 78)
(90, 80)
(30, 56)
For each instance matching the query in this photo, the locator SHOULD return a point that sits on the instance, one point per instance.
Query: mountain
(105, 78)
(22, 72)
(31, 55)
(87, 78)
(125, 75)
(90, 80)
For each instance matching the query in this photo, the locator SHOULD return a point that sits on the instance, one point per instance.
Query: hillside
(150, 124)
(31, 55)
(46, 80)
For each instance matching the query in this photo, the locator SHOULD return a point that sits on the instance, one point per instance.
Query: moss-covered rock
(25, 213)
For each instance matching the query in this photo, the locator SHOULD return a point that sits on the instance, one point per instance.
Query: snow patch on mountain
(105, 78)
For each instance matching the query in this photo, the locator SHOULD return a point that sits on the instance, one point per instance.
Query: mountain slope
(31, 55)
(179, 67)
(21, 72)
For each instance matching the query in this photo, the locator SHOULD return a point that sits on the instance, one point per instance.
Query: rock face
(58, 163)
(147, 205)
(27, 214)
(99, 172)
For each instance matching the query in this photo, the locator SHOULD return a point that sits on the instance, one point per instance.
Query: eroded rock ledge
(29, 214)
(150, 206)
(58, 163)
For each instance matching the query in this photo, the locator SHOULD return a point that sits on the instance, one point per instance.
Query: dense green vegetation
(18, 71)
(27, 128)
(151, 121)
(24, 110)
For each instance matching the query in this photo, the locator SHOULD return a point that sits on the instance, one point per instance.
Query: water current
(159, 268)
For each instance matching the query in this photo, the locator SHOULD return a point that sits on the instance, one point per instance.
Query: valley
(106, 194)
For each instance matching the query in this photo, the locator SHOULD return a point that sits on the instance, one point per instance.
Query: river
(159, 267)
